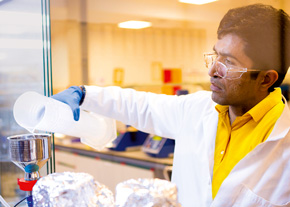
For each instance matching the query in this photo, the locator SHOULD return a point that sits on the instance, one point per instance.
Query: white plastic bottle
(34, 111)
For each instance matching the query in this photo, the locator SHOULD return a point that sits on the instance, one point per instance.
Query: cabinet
(106, 172)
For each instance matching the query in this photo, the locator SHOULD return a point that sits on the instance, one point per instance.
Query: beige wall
(135, 50)
(286, 7)
(66, 62)
(110, 47)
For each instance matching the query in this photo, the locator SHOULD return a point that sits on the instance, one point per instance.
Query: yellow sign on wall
(118, 76)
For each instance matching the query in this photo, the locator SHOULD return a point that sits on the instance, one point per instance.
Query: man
(232, 144)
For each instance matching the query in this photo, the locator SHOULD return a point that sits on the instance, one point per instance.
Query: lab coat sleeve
(158, 114)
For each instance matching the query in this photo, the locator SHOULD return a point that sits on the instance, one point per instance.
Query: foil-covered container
(71, 189)
(146, 193)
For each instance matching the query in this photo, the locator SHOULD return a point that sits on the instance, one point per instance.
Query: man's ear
(269, 77)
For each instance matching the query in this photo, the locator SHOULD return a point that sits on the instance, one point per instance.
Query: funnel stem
(31, 176)
(29, 200)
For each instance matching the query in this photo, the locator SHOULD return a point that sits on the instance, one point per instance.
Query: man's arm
(149, 112)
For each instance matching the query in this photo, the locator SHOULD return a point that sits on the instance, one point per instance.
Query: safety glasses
(224, 70)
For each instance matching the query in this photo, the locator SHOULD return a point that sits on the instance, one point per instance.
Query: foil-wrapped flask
(146, 193)
(71, 189)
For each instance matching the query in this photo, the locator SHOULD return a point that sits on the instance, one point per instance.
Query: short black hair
(266, 32)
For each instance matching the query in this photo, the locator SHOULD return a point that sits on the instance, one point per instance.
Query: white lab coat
(261, 178)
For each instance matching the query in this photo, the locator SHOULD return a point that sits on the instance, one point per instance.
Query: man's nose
(212, 70)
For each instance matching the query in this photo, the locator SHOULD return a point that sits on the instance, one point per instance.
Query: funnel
(30, 152)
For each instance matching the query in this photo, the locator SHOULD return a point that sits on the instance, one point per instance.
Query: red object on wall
(167, 76)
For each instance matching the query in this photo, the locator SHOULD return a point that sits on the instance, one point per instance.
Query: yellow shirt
(247, 131)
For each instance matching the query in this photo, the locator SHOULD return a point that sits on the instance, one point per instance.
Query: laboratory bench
(107, 166)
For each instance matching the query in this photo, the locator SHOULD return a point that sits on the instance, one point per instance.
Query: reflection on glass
(22, 69)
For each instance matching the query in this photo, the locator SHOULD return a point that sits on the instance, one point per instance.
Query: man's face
(234, 92)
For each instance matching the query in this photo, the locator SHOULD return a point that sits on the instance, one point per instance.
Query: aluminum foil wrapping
(70, 189)
(146, 193)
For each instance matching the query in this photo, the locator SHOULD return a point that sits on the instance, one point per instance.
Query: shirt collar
(258, 111)
(222, 108)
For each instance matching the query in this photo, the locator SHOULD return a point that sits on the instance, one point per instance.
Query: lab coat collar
(282, 125)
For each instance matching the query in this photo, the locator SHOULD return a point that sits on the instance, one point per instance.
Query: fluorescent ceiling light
(199, 2)
(134, 24)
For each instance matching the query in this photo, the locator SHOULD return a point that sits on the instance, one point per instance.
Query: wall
(286, 7)
(110, 47)
(65, 46)
(135, 50)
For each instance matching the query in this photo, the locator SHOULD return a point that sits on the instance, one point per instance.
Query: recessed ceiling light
(134, 24)
(58, 135)
(199, 2)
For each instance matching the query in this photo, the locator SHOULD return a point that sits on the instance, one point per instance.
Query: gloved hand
(72, 97)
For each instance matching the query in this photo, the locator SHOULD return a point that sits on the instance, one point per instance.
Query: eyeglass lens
(220, 68)
(210, 61)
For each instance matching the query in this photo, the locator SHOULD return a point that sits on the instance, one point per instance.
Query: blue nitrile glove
(72, 97)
